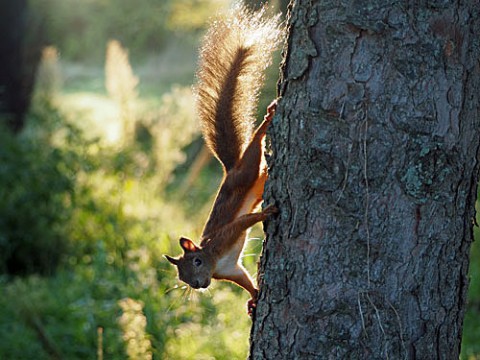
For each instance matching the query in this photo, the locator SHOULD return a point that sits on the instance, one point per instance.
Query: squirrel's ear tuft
(172, 260)
(188, 245)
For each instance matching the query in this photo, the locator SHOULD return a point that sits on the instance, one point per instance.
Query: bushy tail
(233, 58)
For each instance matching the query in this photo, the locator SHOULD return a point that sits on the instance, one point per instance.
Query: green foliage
(190, 15)
(143, 26)
(36, 188)
(471, 329)
(113, 222)
(84, 32)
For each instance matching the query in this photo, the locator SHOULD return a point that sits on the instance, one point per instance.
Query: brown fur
(224, 234)
(234, 55)
(233, 58)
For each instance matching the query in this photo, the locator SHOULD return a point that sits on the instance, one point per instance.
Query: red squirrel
(235, 53)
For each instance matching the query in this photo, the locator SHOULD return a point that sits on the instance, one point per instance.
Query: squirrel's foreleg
(231, 232)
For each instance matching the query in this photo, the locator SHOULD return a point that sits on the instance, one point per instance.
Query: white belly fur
(227, 264)
(246, 208)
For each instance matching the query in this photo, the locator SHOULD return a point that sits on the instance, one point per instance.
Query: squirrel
(235, 53)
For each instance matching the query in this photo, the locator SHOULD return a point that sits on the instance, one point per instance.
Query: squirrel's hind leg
(251, 164)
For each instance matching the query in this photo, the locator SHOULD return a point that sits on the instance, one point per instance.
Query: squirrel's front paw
(271, 110)
(270, 210)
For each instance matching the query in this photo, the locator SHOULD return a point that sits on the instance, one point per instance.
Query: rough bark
(374, 169)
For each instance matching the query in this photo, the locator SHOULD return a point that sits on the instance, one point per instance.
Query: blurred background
(102, 168)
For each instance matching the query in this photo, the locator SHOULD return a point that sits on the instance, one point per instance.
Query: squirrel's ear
(172, 260)
(188, 245)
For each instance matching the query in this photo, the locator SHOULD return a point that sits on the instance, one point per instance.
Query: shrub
(36, 188)
(81, 33)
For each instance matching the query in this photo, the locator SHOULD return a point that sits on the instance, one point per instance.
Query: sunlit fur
(234, 55)
(233, 58)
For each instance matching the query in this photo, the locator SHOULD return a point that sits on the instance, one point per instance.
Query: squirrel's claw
(271, 110)
(251, 307)
(270, 210)
(252, 303)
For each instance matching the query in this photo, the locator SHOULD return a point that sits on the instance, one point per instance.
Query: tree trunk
(19, 57)
(374, 168)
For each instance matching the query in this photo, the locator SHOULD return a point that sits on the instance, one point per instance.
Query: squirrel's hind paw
(251, 307)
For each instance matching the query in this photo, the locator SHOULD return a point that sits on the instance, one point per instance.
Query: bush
(36, 188)
(83, 33)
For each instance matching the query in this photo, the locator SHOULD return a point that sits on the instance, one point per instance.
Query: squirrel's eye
(197, 262)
